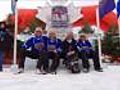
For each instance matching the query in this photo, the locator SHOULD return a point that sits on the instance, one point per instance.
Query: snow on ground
(107, 80)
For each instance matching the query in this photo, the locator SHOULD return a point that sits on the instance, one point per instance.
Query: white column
(99, 38)
(15, 36)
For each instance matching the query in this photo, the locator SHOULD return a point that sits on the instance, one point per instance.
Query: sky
(5, 5)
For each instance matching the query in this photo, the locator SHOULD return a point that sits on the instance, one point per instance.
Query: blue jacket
(3, 34)
(56, 44)
(84, 46)
(34, 42)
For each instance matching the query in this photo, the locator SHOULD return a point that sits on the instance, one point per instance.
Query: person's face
(27, 29)
(2, 25)
(83, 38)
(52, 35)
(38, 32)
(70, 35)
(44, 32)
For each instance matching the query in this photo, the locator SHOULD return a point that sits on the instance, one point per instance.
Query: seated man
(35, 48)
(85, 52)
(70, 53)
(54, 50)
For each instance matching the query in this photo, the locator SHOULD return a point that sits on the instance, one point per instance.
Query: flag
(106, 6)
(118, 8)
(13, 5)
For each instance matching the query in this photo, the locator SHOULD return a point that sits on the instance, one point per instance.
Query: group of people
(49, 50)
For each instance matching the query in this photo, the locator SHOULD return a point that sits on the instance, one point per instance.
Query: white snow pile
(107, 80)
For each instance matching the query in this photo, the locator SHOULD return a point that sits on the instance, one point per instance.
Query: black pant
(70, 58)
(93, 55)
(42, 58)
(55, 61)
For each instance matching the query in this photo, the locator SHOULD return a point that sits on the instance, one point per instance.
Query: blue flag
(106, 6)
(13, 5)
(118, 8)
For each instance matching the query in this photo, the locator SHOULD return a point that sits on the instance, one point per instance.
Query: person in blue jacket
(35, 48)
(54, 51)
(86, 51)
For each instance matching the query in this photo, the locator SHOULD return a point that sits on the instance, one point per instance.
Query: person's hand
(55, 51)
(91, 48)
(84, 47)
(70, 53)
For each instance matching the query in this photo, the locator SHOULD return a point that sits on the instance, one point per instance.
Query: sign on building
(59, 16)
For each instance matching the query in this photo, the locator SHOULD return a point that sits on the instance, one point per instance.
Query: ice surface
(107, 80)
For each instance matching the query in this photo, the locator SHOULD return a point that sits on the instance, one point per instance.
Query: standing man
(86, 51)
(3, 34)
(35, 48)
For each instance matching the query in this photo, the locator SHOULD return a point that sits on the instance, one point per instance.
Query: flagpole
(99, 38)
(15, 36)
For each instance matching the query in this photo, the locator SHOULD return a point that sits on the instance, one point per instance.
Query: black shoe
(42, 72)
(53, 72)
(99, 70)
(85, 70)
(20, 71)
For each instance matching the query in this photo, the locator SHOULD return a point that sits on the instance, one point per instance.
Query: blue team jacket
(84, 46)
(33, 41)
(55, 43)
